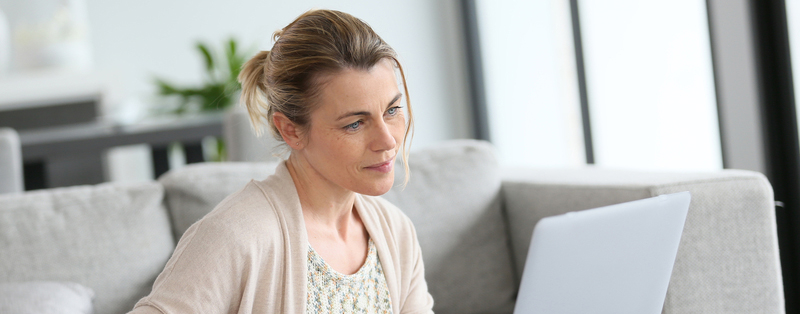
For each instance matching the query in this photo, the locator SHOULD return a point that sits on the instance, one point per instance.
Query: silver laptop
(614, 259)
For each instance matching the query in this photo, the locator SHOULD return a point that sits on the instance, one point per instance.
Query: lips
(383, 167)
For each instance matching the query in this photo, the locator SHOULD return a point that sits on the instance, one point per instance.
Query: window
(649, 79)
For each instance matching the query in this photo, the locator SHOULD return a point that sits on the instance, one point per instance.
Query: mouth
(383, 167)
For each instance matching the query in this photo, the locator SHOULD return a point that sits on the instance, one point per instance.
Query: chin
(379, 188)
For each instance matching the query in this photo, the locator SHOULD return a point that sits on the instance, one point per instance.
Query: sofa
(10, 161)
(102, 246)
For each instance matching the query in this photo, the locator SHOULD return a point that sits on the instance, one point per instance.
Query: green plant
(220, 85)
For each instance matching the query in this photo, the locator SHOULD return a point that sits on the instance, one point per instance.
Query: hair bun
(277, 34)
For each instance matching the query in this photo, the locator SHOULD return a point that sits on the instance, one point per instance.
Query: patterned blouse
(330, 291)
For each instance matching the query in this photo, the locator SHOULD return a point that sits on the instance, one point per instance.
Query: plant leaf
(165, 88)
(209, 59)
(218, 91)
(231, 49)
(235, 61)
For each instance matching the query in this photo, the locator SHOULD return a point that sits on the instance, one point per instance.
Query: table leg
(160, 160)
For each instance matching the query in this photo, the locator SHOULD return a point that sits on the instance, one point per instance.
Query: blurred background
(109, 54)
(126, 90)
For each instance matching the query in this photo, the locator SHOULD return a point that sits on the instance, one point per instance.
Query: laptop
(613, 259)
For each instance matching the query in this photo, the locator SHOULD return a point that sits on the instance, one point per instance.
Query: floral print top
(330, 291)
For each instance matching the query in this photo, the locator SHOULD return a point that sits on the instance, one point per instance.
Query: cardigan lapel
(287, 203)
(385, 245)
(295, 257)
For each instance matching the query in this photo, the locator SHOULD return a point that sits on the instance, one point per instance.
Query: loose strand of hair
(409, 127)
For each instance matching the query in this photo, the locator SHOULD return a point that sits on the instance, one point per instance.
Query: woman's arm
(202, 275)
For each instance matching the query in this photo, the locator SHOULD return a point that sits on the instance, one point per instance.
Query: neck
(324, 203)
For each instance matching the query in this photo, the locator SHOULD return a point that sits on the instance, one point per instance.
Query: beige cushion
(114, 239)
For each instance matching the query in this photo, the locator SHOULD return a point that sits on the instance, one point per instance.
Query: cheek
(398, 128)
(328, 147)
(347, 151)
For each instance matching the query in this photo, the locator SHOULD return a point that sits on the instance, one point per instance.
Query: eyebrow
(365, 113)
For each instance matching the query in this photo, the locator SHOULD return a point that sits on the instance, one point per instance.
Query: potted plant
(220, 86)
(219, 90)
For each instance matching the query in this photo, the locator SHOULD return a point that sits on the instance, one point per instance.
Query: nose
(383, 139)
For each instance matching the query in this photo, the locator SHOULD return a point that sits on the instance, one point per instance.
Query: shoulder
(266, 211)
(250, 215)
(216, 253)
(244, 209)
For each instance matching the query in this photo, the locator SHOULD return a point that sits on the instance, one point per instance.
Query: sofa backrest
(114, 239)
(727, 260)
(453, 199)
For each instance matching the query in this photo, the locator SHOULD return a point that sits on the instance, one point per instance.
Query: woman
(312, 237)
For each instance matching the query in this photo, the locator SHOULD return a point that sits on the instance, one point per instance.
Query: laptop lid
(612, 259)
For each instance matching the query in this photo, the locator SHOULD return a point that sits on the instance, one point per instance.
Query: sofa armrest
(10, 162)
(728, 258)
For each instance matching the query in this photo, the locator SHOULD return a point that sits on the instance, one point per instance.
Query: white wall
(134, 41)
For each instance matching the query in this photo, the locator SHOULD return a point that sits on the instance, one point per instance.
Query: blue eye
(392, 111)
(353, 126)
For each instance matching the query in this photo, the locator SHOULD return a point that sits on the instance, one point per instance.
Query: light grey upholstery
(453, 198)
(10, 162)
(241, 143)
(473, 219)
(114, 239)
(45, 297)
(728, 257)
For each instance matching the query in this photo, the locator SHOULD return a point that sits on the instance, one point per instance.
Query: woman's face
(357, 129)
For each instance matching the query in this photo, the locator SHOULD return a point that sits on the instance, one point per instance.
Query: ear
(290, 132)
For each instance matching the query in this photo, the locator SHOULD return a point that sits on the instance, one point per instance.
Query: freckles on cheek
(341, 140)
(341, 146)
(338, 135)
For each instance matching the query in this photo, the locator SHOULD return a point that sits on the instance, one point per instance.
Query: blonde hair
(286, 78)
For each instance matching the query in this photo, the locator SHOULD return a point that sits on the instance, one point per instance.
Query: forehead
(351, 89)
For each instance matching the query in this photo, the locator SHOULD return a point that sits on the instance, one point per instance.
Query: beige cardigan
(249, 255)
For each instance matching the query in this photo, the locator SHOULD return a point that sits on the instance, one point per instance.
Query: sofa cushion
(453, 198)
(45, 297)
(114, 239)
(727, 261)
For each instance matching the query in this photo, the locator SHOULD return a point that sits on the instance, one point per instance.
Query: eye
(393, 111)
(353, 126)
